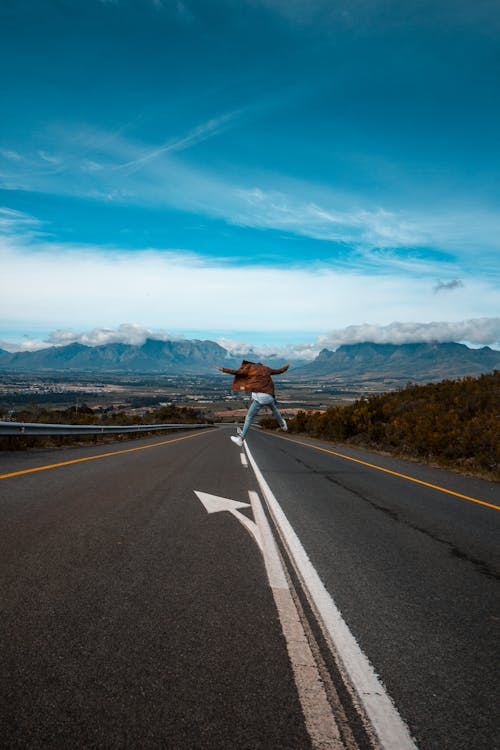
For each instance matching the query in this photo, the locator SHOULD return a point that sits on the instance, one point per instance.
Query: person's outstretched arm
(281, 369)
(226, 369)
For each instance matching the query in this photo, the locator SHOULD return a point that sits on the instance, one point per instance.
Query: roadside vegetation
(454, 423)
(84, 415)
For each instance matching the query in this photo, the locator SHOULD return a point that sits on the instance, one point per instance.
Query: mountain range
(419, 361)
(169, 357)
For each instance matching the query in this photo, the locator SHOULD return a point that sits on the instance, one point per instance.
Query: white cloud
(480, 331)
(66, 287)
(305, 351)
(25, 344)
(82, 286)
(235, 347)
(125, 333)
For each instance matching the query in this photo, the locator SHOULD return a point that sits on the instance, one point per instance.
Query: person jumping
(255, 377)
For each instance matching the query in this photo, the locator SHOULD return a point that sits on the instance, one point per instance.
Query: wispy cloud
(372, 15)
(112, 168)
(49, 157)
(200, 133)
(16, 225)
(360, 227)
(10, 154)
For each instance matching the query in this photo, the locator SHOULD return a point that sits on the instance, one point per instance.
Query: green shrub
(454, 423)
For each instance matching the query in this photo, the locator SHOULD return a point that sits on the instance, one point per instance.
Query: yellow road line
(100, 455)
(394, 473)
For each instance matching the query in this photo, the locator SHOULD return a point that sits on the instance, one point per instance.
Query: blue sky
(265, 171)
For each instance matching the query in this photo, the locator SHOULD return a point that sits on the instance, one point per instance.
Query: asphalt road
(415, 572)
(132, 618)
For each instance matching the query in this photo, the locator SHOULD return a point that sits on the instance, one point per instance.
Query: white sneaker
(284, 426)
(238, 440)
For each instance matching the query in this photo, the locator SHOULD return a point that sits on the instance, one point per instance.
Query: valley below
(135, 394)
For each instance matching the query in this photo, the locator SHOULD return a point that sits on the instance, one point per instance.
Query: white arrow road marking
(215, 504)
(318, 715)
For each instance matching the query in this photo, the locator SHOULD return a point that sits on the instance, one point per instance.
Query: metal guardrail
(38, 428)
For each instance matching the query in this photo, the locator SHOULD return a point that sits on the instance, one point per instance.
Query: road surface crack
(483, 567)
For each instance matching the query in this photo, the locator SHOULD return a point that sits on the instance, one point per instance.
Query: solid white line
(274, 567)
(377, 709)
(243, 459)
(318, 715)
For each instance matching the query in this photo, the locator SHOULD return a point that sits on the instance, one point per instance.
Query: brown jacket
(254, 377)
